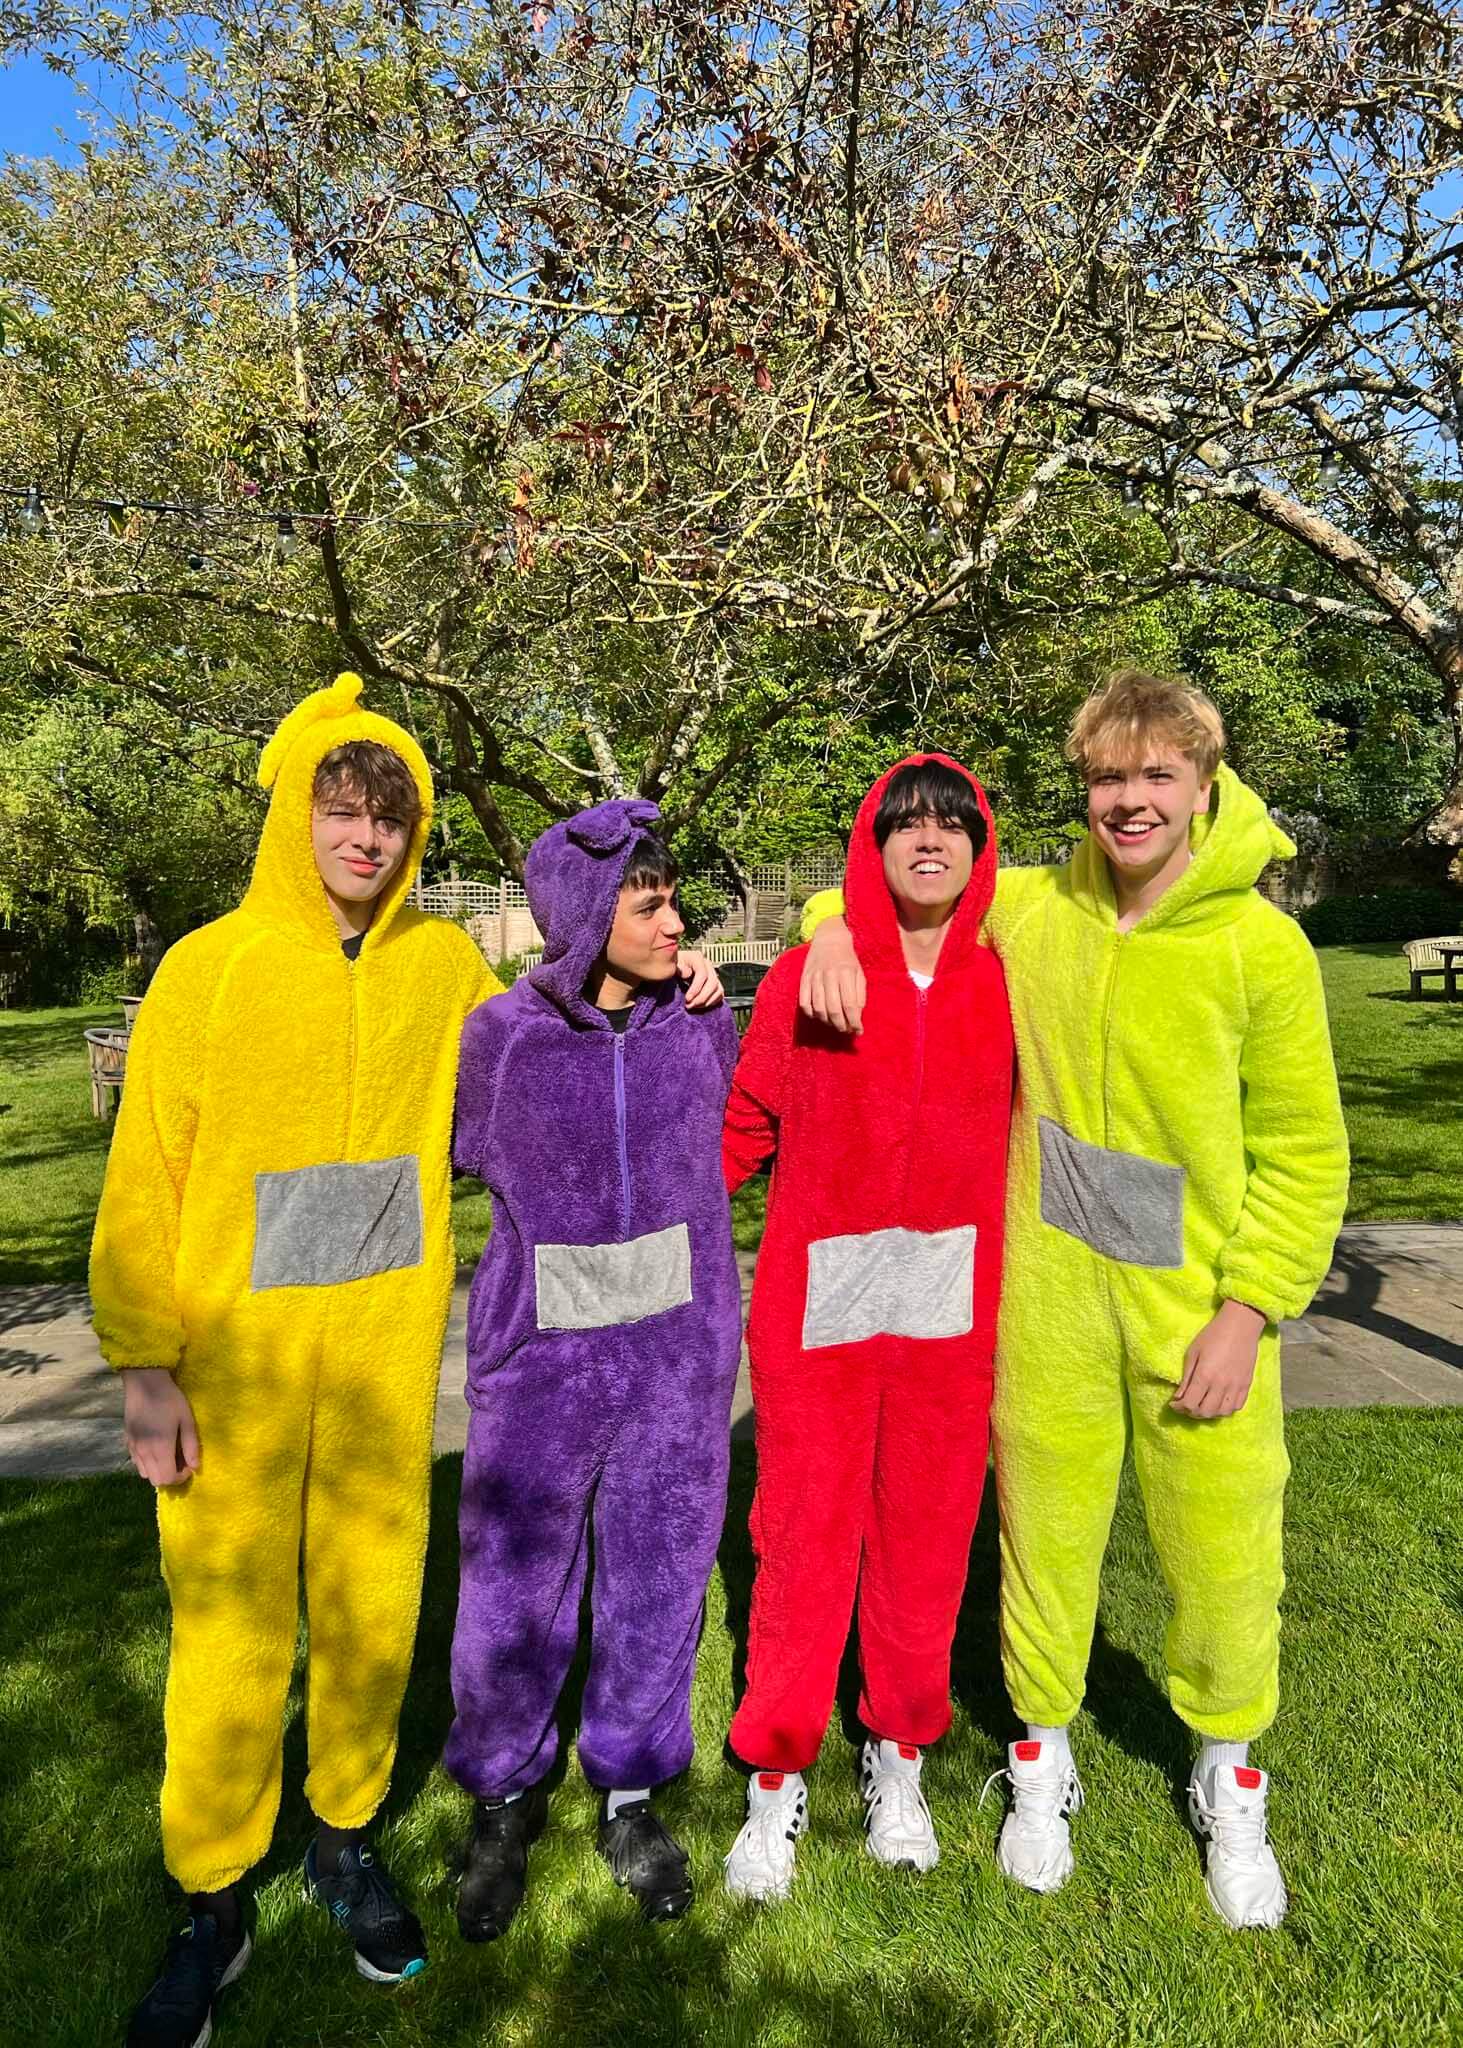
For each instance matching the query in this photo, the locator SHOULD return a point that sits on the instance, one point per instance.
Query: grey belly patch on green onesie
(1118, 1203)
(321, 1225)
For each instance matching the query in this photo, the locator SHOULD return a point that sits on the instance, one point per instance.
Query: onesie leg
(929, 1470)
(1214, 1496)
(816, 1423)
(230, 1548)
(365, 1539)
(658, 1515)
(1060, 1432)
(533, 1455)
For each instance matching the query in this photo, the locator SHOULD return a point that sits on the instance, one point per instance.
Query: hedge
(1400, 914)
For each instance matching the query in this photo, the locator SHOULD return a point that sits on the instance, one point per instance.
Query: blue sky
(34, 103)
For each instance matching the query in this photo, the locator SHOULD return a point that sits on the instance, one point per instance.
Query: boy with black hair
(873, 1317)
(603, 1341)
(1178, 1176)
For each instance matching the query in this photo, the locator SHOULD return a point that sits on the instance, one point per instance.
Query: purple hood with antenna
(602, 1149)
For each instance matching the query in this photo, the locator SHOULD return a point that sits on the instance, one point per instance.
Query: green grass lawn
(1367, 1814)
(1401, 1065)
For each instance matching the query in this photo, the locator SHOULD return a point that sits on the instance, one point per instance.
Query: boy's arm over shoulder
(134, 1248)
(759, 1085)
(1294, 1133)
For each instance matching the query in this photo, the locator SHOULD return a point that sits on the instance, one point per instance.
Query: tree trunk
(149, 941)
(1444, 826)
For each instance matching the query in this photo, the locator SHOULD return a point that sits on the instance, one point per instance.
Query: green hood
(1232, 845)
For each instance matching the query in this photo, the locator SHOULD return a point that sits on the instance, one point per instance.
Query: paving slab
(1386, 1328)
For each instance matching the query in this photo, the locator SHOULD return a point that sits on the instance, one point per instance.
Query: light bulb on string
(195, 559)
(1330, 465)
(289, 541)
(1132, 506)
(33, 511)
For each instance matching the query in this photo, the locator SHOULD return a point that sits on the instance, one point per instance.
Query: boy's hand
(833, 990)
(162, 1437)
(1220, 1363)
(703, 984)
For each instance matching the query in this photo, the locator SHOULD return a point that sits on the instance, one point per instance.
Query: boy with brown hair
(1178, 1174)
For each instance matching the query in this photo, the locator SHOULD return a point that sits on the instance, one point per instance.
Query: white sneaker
(1241, 1875)
(897, 1822)
(1035, 1847)
(760, 1864)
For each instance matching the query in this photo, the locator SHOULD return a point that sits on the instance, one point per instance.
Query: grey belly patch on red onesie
(890, 1283)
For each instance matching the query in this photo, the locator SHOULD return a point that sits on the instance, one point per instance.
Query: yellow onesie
(275, 1229)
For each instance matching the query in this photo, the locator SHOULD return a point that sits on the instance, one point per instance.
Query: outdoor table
(1451, 953)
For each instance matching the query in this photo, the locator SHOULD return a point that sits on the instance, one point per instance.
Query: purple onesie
(603, 1335)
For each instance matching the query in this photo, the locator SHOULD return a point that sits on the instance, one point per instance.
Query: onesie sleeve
(826, 903)
(1295, 1196)
(484, 1043)
(758, 1089)
(134, 1247)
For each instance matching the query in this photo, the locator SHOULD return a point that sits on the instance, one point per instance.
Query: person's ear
(1201, 801)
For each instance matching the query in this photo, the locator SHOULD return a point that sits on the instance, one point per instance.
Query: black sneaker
(390, 1945)
(495, 1863)
(648, 1860)
(178, 2011)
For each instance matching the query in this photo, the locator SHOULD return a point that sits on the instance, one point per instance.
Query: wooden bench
(106, 1053)
(1434, 956)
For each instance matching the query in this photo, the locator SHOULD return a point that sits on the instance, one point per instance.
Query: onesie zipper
(1107, 1010)
(352, 1036)
(620, 1133)
(920, 1005)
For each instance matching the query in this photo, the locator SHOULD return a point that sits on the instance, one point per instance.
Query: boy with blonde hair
(1178, 1174)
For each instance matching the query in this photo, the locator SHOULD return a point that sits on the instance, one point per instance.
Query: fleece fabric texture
(873, 1315)
(1177, 1141)
(603, 1340)
(275, 1230)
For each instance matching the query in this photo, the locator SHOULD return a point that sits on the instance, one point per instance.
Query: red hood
(869, 907)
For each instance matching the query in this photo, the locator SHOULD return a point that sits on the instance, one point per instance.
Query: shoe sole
(480, 1932)
(231, 1975)
(414, 1969)
(1052, 1884)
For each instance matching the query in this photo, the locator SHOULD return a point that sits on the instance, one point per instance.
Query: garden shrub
(1400, 914)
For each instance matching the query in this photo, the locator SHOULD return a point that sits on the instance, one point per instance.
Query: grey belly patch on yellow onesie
(321, 1225)
(1118, 1203)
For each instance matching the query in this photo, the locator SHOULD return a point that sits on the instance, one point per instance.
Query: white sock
(1054, 1739)
(615, 1800)
(903, 1757)
(764, 1786)
(1212, 1754)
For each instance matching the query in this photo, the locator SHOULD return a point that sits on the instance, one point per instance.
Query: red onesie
(873, 1315)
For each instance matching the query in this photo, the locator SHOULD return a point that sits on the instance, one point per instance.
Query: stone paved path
(1386, 1327)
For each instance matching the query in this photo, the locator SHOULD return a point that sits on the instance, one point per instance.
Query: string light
(1132, 500)
(289, 540)
(33, 511)
(1330, 465)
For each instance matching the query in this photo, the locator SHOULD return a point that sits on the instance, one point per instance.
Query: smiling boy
(873, 1319)
(1178, 1176)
